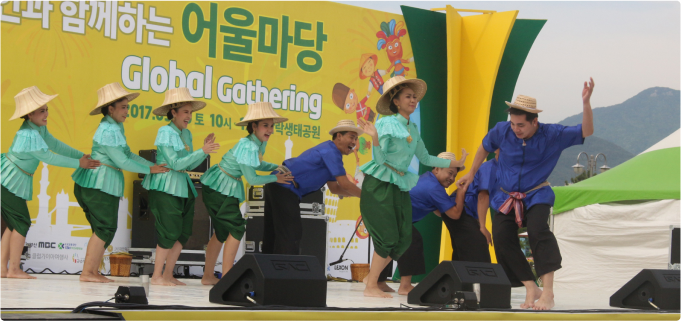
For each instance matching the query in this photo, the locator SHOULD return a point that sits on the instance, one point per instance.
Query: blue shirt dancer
(529, 151)
(319, 165)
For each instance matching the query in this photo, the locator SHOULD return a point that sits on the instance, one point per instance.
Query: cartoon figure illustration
(347, 100)
(362, 232)
(389, 38)
(367, 69)
(364, 145)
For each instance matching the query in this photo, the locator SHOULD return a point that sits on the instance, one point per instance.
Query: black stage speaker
(271, 279)
(440, 286)
(143, 222)
(131, 294)
(659, 287)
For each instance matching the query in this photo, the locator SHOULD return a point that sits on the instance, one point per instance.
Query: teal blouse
(170, 146)
(109, 146)
(242, 160)
(31, 145)
(395, 151)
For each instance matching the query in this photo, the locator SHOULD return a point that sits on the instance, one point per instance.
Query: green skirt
(224, 213)
(15, 212)
(174, 217)
(386, 211)
(101, 210)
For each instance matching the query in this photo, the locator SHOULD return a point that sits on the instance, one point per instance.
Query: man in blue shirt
(468, 234)
(529, 151)
(429, 195)
(319, 165)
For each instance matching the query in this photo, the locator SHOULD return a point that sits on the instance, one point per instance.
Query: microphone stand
(340, 259)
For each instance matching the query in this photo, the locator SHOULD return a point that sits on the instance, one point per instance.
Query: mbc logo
(671, 278)
(481, 271)
(47, 245)
(280, 265)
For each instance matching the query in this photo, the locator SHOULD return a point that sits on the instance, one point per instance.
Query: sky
(626, 47)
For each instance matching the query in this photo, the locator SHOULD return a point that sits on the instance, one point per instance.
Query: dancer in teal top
(31, 145)
(98, 191)
(223, 188)
(385, 204)
(172, 194)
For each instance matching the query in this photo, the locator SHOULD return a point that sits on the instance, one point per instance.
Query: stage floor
(58, 292)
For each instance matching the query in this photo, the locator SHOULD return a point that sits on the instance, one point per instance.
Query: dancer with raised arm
(98, 190)
(385, 204)
(529, 151)
(223, 187)
(32, 144)
(172, 194)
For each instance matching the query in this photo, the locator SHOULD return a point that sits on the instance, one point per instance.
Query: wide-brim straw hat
(28, 100)
(110, 93)
(393, 86)
(363, 60)
(261, 110)
(526, 103)
(452, 157)
(178, 97)
(346, 125)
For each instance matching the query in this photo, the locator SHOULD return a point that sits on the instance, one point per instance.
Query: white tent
(613, 225)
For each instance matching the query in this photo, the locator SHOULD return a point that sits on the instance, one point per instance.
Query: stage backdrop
(314, 61)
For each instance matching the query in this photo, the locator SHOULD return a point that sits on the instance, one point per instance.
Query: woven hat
(261, 110)
(452, 157)
(346, 125)
(110, 93)
(363, 60)
(178, 97)
(28, 100)
(393, 86)
(526, 103)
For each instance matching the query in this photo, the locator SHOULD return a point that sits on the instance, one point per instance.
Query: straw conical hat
(261, 110)
(28, 100)
(394, 85)
(177, 97)
(452, 157)
(363, 60)
(346, 125)
(526, 103)
(110, 93)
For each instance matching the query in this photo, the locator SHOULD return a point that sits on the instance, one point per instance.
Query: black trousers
(542, 243)
(468, 243)
(283, 225)
(412, 262)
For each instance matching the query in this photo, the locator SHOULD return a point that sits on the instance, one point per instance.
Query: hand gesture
(210, 147)
(284, 178)
(368, 128)
(588, 90)
(160, 168)
(209, 139)
(461, 161)
(487, 235)
(87, 163)
(464, 181)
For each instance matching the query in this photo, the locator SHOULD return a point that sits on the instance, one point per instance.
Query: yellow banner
(316, 62)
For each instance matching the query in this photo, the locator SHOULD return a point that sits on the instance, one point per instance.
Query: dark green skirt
(174, 217)
(101, 210)
(15, 212)
(225, 214)
(386, 211)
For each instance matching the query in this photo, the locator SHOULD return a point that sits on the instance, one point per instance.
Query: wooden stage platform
(62, 293)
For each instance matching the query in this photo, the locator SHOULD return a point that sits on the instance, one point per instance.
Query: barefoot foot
(385, 287)
(19, 274)
(161, 281)
(532, 295)
(104, 279)
(209, 279)
(92, 277)
(174, 280)
(374, 291)
(404, 290)
(545, 301)
(4, 273)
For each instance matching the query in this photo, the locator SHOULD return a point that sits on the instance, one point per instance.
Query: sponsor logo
(76, 258)
(50, 256)
(481, 271)
(339, 267)
(68, 246)
(290, 265)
